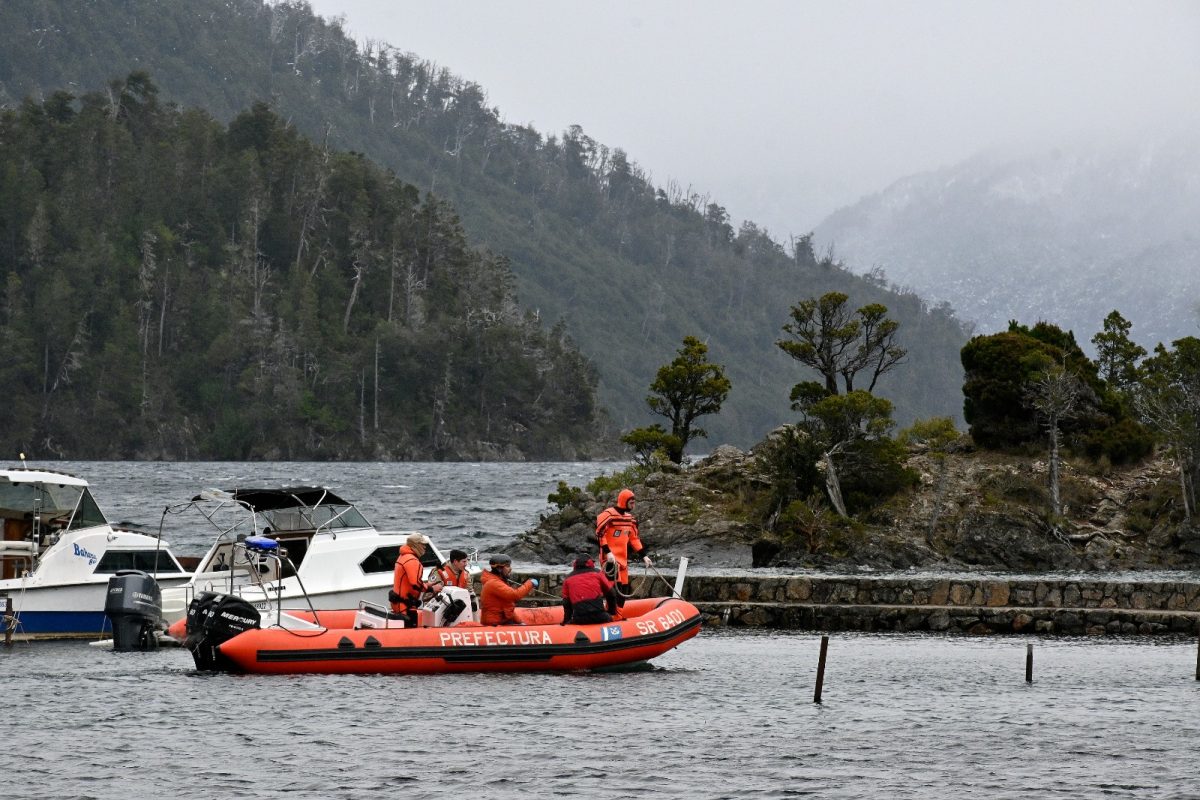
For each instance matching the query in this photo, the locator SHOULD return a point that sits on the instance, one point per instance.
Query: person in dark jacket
(588, 596)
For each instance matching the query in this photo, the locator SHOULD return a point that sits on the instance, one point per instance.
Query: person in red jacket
(617, 532)
(588, 596)
(407, 585)
(454, 572)
(497, 599)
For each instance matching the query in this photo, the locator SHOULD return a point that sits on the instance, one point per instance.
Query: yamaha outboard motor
(134, 607)
(213, 619)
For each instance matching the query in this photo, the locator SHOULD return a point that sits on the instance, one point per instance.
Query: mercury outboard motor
(213, 619)
(134, 607)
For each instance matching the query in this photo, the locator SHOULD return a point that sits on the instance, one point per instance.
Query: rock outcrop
(972, 510)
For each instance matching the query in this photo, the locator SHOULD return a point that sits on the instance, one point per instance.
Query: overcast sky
(784, 110)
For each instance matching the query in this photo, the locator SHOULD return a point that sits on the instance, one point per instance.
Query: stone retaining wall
(954, 593)
(931, 604)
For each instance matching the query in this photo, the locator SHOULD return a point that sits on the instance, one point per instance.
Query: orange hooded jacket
(498, 600)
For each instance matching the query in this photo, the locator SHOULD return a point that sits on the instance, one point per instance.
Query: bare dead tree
(1057, 396)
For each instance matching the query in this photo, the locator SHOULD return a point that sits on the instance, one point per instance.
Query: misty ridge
(1062, 234)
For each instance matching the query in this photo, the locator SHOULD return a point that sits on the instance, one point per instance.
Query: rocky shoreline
(970, 511)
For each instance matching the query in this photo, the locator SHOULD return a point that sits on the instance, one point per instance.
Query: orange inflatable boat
(224, 633)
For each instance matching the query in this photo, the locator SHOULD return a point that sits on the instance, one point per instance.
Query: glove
(535, 582)
(646, 560)
(611, 559)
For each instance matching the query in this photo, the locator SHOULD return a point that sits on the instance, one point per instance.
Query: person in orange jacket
(454, 572)
(617, 532)
(497, 599)
(407, 585)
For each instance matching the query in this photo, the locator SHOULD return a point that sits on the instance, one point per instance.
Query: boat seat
(374, 616)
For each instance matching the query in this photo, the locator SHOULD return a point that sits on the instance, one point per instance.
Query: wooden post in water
(8, 626)
(821, 669)
(1029, 663)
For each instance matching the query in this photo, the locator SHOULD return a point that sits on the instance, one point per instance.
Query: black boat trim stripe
(476, 653)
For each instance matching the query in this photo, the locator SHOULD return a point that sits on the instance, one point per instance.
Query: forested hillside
(630, 267)
(178, 289)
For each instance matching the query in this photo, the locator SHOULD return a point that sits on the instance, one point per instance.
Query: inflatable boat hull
(652, 627)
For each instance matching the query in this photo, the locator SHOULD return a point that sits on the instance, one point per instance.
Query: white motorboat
(58, 552)
(329, 555)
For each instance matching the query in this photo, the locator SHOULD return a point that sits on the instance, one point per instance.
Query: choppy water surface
(458, 505)
(728, 715)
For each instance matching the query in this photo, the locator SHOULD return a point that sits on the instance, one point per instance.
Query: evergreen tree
(1116, 353)
(175, 288)
(835, 341)
(684, 390)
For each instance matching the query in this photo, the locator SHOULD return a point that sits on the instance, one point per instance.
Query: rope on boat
(667, 582)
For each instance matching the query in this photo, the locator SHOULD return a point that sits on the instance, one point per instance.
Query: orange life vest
(406, 581)
(462, 580)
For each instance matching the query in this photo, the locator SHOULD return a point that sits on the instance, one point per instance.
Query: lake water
(727, 715)
(469, 506)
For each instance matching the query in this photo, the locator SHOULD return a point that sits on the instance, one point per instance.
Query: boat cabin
(307, 522)
(50, 521)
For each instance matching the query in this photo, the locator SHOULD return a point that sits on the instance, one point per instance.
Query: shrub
(1124, 442)
(935, 433)
(565, 496)
(633, 474)
(873, 471)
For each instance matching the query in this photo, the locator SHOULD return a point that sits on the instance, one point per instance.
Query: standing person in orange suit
(617, 532)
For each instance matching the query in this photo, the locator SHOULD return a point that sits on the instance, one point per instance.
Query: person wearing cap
(617, 533)
(454, 572)
(407, 585)
(588, 595)
(498, 599)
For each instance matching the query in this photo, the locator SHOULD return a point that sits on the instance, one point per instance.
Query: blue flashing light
(261, 544)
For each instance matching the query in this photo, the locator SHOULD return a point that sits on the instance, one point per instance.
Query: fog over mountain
(1064, 235)
(785, 110)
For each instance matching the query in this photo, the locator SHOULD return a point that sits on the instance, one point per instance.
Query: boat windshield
(68, 506)
(308, 518)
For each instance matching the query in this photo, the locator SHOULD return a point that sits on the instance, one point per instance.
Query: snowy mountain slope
(1065, 236)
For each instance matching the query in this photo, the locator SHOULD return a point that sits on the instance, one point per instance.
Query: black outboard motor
(134, 607)
(215, 618)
